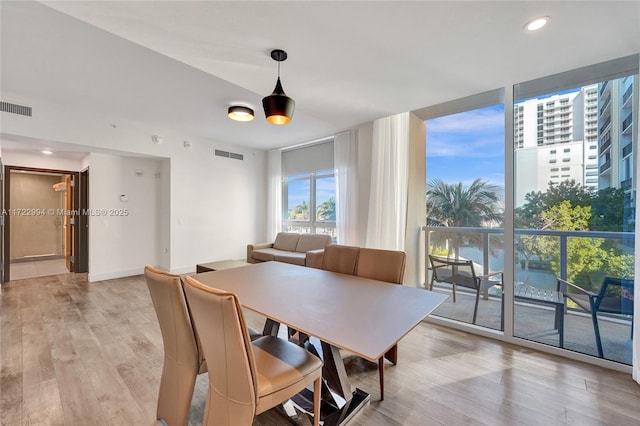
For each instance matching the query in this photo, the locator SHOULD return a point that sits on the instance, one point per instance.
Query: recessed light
(537, 23)
(47, 152)
(240, 113)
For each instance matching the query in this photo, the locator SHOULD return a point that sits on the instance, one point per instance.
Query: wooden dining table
(363, 316)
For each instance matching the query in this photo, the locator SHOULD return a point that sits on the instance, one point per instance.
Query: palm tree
(300, 212)
(456, 205)
(327, 210)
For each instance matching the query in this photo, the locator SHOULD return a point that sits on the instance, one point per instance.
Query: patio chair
(461, 272)
(615, 297)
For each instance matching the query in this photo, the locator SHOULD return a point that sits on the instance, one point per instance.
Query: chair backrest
(454, 271)
(340, 258)
(179, 337)
(615, 296)
(225, 340)
(381, 265)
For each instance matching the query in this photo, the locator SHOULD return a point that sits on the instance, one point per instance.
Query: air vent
(227, 154)
(15, 109)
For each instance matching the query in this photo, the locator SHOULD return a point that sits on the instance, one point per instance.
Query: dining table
(342, 312)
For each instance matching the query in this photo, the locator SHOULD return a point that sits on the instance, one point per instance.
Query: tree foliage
(327, 211)
(456, 205)
(300, 212)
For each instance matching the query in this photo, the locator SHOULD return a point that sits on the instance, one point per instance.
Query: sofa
(288, 247)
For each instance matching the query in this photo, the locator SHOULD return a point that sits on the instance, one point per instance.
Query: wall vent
(15, 109)
(228, 154)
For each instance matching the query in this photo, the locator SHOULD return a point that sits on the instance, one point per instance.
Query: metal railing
(626, 239)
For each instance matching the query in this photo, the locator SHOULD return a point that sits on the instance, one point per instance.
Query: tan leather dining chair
(183, 358)
(388, 266)
(340, 258)
(246, 378)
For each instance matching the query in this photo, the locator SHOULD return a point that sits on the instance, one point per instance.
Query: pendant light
(278, 107)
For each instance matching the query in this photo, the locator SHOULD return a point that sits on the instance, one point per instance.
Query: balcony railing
(605, 166)
(605, 124)
(627, 94)
(625, 238)
(604, 85)
(532, 321)
(627, 122)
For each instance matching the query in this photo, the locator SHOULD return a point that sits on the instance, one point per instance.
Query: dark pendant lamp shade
(278, 107)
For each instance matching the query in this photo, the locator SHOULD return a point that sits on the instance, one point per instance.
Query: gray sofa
(289, 247)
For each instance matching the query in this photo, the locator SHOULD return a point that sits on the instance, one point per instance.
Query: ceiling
(179, 65)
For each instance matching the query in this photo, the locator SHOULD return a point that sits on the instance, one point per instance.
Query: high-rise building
(616, 115)
(556, 139)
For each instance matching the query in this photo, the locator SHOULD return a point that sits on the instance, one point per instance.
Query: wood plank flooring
(79, 353)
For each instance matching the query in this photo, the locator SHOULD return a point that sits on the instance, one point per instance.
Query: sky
(465, 146)
(299, 191)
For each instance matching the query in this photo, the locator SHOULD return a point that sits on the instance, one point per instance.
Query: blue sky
(462, 147)
(299, 191)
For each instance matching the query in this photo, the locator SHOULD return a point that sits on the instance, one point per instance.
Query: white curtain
(389, 183)
(274, 193)
(345, 158)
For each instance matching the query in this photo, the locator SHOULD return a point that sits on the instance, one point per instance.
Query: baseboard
(113, 275)
(185, 270)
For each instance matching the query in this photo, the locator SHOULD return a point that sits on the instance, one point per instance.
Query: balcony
(626, 184)
(627, 150)
(533, 321)
(605, 166)
(626, 123)
(604, 86)
(605, 124)
(626, 96)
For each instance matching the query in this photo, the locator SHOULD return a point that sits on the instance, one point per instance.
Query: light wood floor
(74, 353)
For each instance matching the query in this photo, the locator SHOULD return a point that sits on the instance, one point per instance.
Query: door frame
(75, 205)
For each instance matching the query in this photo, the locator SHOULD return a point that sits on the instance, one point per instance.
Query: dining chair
(388, 266)
(340, 258)
(183, 357)
(246, 378)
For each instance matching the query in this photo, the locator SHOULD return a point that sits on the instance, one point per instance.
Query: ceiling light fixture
(537, 23)
(240, 113)
(278, 107)
(47, 152)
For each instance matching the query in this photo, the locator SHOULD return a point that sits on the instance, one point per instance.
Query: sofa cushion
(312, 242)
(291, 257)
(265, 255)
(287, 241)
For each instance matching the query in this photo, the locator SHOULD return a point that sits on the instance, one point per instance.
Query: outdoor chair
(461, 272)
(615, 297)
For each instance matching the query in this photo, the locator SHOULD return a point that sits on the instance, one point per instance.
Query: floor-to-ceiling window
(575, 139)
(465, 208)
(567, 241)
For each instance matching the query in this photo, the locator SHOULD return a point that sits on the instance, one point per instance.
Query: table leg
(271, 328)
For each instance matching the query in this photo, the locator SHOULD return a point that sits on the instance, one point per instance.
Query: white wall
(216, 205)
(10, 158)
(124, 237)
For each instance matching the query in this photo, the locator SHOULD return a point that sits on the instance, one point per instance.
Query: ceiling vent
(227, 154)
(15, 108)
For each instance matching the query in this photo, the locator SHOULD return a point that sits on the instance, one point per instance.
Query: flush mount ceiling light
(278, 107)
(240, 113)
(537, 23)
(47, 152)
